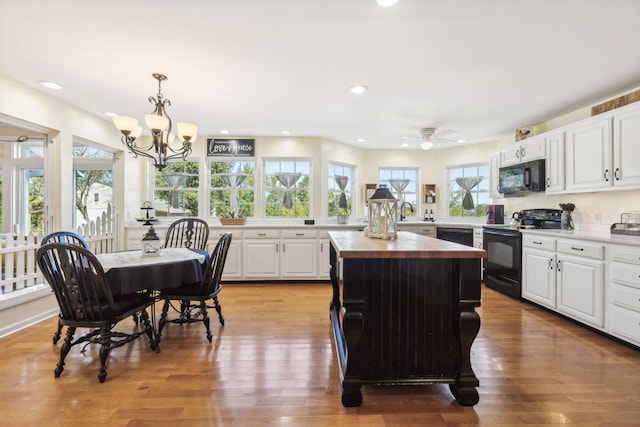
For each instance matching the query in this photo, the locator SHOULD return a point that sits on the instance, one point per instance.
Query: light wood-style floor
(273, 364)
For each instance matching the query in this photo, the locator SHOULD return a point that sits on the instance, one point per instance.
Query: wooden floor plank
(273, 364)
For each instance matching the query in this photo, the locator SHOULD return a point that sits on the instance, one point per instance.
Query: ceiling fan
(430, 136)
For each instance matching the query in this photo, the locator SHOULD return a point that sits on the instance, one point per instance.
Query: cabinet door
(580, 284)
(555, 162)
(260, 258)
(233, 264)
(494, 168)
(539, 277)
(299, 258)
(533, 149)
(324, 266)
(626, 148)
(589, 155)
(510, 155)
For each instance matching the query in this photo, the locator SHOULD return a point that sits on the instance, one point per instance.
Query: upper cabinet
(554, 165)
(494, 167)
(523, 151)
(602, 152)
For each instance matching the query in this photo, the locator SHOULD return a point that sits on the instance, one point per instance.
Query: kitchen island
(403, 312)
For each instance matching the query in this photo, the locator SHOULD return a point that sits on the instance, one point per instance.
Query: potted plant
(233, 218)
(342, 214)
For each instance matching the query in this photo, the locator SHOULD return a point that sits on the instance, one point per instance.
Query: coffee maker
(495, 214)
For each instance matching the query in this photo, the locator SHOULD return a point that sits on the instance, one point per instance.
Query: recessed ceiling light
(358, 89)
(224, 132)
(51, 85)
(285, 132)
(387, 3)
(405, 144)
(110, 114)
(360, 140)
(461, 140)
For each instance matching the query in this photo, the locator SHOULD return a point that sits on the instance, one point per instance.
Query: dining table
(131, 271)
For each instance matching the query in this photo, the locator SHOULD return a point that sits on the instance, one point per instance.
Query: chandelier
(159, 123)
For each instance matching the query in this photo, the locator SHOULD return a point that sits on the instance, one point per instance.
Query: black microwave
(528, 177)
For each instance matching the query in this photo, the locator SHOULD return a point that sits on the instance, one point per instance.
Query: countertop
(354, 244)
(327, 224)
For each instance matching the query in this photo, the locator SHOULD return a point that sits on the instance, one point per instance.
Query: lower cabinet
(261, 254)
(566, 276)
(623, 304)
(233, 264)
(324, 265)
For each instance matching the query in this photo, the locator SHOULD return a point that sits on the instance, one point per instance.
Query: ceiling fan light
(427, 145)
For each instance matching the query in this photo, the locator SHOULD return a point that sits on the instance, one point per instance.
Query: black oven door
(503, 265)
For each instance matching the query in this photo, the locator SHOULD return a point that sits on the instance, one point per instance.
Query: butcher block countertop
(354, 244)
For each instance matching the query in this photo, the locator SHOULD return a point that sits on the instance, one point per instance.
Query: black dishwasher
(463, 236)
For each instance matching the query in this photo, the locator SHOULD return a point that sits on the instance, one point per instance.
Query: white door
(260, 258)
(555, 162)
(324, 265)
(299, 258)
(626, 148)
(580, 289)
(539, 277)
(588, 161)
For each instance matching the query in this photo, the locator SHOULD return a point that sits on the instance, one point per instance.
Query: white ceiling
(255, 67)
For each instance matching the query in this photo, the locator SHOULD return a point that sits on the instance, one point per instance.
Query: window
(402, 182)
(287, 188)
(93, 181)
(232, 188)
(468, 188)
(345, 175)
(176, 189)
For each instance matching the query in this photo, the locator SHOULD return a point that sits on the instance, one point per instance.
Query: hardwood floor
(273, 364)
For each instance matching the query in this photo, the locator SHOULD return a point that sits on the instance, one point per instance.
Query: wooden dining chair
(193, 297)
(85, 299)
(63, 237)
(191, 233)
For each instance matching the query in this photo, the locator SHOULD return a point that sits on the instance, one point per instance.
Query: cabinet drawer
(624, 254)
(218, 232)
(261, 234)
(628, 274)
(539, 242)
(626, 296)
(580, 248)
(299, 234)
(625, 324)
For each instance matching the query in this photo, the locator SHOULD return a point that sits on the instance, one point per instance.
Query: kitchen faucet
(402, 217)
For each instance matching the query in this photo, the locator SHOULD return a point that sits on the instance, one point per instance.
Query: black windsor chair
(85, 299)
(191, 233)
(198, 293)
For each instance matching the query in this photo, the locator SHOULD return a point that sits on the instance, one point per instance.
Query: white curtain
(234, 181)
(342, 182)
(467, 184)
(399, 185)
(175, 180)
(288, 180)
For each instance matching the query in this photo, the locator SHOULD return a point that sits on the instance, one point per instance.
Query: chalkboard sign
(231, 147)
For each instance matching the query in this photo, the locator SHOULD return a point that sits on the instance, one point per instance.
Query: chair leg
(144, 317)
(205, 319)
(162, 321)
(218, 307)
(105, 348)
(64, 350)
(57, 333)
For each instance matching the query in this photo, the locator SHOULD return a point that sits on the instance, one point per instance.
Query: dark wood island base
(403, 312)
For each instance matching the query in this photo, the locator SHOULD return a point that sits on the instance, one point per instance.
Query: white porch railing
(18, 252)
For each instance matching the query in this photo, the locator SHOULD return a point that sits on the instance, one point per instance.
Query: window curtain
(467, 184)
(288, 180)
(175, 180)
(399, 185)
(342, 182)
(234, 181)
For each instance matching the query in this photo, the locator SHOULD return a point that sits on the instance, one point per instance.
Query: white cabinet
(324, 265)
(623, 305)
(233, 264)
(539, 270)
(424, 230)
(298, 255)
(478, 243)
(626, 147)
(580, 281)
(588, 161)
(261, 254)
(494, 177)
(524, 151)
(554, 165)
